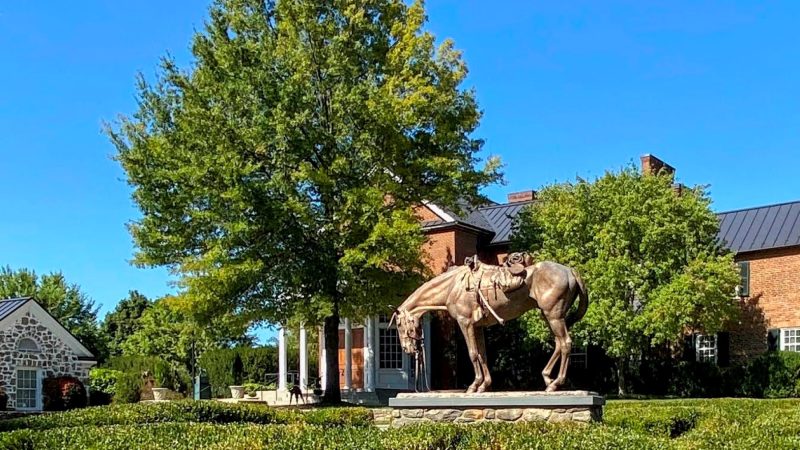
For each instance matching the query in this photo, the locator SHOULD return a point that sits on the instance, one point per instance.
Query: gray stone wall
(401, 417)
(54, 358)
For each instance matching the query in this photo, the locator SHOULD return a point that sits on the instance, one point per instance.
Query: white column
(369, 355)
(348, 355)
(303, 359)
(323, 363)
(281, 359)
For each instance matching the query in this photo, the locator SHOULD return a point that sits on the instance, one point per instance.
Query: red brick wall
(425, 214)
(440, 250)
(774, 300)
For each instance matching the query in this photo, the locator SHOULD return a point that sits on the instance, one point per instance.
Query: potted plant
(160, 394)
(251, 389)
(160, 378)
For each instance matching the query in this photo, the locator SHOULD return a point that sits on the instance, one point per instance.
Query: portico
(370, 359)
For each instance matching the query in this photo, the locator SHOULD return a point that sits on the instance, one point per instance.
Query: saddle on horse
(486, 279)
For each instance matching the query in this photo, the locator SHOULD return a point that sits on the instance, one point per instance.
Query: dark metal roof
(494, 219)
(761, 228)
(501, 219)
(9, 305)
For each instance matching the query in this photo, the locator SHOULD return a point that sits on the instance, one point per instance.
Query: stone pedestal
(567, 406)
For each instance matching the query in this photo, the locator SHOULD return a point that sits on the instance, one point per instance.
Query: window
(744, 273)
(706, 348)
(27, 345)
(390, 352)
(790, 339)
(27, 388)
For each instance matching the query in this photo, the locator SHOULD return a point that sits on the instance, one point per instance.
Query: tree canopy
(64, 301)
(278, 175)
(165, 331)
(124, 320)
(648, 252)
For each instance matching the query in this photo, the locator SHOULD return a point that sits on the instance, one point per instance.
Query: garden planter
(160, 394)
(237, 391)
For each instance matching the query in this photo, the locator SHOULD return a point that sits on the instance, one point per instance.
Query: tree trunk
(622, 388)
(332, 392)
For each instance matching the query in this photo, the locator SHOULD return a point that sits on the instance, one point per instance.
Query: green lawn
(649, 424)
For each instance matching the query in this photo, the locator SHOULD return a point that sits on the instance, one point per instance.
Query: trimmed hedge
(179, 436)
(235, 366)
(165, 374)
(668, 422)
(703, 424)
(189, 411)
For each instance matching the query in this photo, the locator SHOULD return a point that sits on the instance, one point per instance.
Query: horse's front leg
(472, 347)
(483, 360)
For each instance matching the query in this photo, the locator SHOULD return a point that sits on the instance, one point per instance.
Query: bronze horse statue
(479, 295)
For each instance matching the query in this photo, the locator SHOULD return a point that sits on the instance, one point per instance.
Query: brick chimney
(652, 165)
(522, 196)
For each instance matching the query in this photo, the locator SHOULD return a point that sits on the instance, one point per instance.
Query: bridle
(419, 349)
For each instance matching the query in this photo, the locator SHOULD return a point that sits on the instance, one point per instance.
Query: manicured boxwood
(658, 421)
(189, 411)
(180, 436)
(719, 423)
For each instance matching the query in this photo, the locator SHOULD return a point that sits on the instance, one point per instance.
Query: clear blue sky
(568, 88)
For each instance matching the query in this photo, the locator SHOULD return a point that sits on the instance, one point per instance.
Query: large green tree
(164, 330)
(64, 301)
(124, 320)
(278, 175)
(648, 252)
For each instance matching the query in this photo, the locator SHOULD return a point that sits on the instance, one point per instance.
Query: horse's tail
(583, 294)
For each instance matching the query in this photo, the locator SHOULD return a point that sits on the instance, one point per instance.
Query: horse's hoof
(471, 390)
(551, 387)
(481, 389)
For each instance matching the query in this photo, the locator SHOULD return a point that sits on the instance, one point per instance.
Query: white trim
(37, 393)
(51, 323)
(793, 344)
(708, 352)
(439, 212)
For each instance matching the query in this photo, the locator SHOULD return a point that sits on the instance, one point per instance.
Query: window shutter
(723, 349)
(773, 339)
(689, 348)
(744, 272)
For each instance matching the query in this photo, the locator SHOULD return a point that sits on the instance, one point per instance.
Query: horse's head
(408, 330)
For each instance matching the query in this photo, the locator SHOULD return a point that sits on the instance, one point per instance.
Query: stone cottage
(35, 346)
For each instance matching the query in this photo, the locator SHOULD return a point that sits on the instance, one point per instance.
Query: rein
(419, 363)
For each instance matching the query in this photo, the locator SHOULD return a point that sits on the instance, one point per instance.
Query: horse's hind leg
(559, 328)
(548, 369)
(483, 361)
(472, 348)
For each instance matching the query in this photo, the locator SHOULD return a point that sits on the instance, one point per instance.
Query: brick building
(765, 240)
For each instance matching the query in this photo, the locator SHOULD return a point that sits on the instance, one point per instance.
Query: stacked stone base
(570, 406)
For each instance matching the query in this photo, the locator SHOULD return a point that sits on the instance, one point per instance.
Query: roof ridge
(792, 202)
(500, 205)
(11, 299)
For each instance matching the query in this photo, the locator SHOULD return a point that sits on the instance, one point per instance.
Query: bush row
(668, 422)
(189, 411)
(179, 436)
(771, 375)
(235, 366)
(671, 424)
